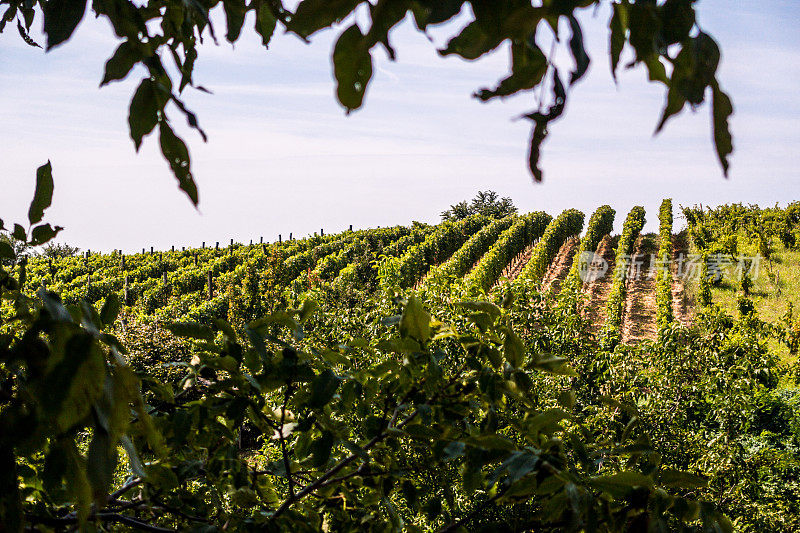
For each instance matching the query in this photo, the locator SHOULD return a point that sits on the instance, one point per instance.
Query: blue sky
(283, 157)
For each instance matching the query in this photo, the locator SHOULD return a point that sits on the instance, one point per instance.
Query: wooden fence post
(125, 298)
(290, 235)
(210, 284)
(280, 240)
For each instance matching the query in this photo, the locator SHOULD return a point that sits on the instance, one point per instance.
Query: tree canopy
(665, 37)
(487, 203)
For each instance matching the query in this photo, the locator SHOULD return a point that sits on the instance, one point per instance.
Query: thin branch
(125, 488)
(286, 464)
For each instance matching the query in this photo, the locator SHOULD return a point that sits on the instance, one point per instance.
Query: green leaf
(323, 388)
(265, 23)
(683, 480)
(620, 484)
(120, 64)
(43, 195)
(177, 155)
(61, 17)
(484, 307)
(578, 51)
(101, 461)
(352, 67)
(75, 383)
(415, 321)
(110, 310)
(19, 233)
(513, 349)
(472, 42)
(314, 15)
(6, 251)
(143, 111)
(321, 449)
(234, 17)
(722, 109)
(191, 330)
(618, 26)
(528, 67)
(44, 233)
(554, 365)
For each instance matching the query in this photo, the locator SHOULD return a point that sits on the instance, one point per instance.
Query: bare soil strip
(560, 267)
(639, 319)
(516, 265)
(598, 287)
(682, 302)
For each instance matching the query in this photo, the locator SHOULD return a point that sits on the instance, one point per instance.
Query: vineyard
(530, 370)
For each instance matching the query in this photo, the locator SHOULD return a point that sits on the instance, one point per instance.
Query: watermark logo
(686, 267)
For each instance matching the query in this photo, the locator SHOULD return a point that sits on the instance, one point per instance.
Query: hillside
(491, 368)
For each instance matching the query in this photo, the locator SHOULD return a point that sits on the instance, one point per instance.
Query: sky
(282, 155)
